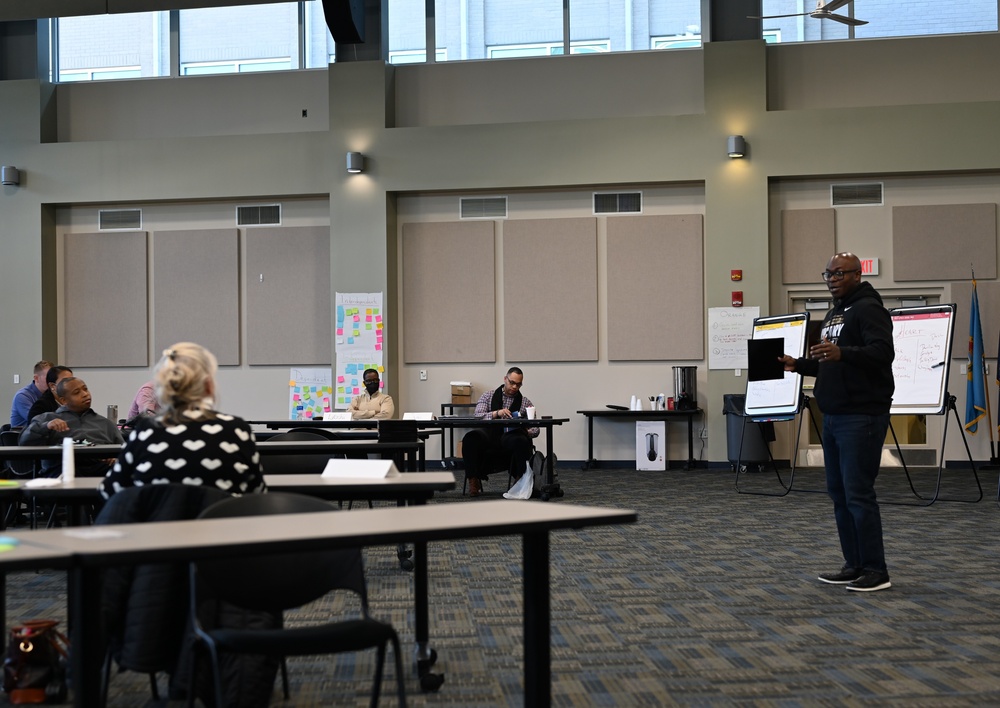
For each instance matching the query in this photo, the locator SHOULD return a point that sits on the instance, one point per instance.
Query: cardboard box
(650, 442)
(461, 399)
(461, 389)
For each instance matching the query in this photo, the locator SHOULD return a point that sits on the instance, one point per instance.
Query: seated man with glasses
(495, 448)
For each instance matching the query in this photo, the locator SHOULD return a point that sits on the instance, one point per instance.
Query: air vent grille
(618, 203)
(119, 219)
(483, 207)
(866, 194)
(258, 215)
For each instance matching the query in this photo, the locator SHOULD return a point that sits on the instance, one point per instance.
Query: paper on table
(93, 532)
(360, 469)
(43, 482)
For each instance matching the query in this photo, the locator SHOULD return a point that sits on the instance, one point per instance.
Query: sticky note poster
(349, 379)
(360, 324)
(310, 393)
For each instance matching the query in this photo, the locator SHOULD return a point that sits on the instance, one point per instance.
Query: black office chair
(278, 582)
(324, 433)
(296, 464)
(145, 607)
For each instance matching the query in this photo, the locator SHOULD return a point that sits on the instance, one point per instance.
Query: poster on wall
(360, 323)
(310, 393)
(358, 337)
(349, 375)
(729, 328)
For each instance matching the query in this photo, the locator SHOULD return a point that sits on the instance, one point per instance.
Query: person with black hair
(494, 448)
(47, 402)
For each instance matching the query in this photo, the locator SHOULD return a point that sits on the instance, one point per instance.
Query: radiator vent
(866, 194)
(483, 207)
(119, 219)
(258, 215)
(618, 203)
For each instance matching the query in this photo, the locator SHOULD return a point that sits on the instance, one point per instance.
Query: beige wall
(547, 158)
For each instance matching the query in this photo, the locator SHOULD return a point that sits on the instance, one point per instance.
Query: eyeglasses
(370, 381)
(515, 384)
(837, 274)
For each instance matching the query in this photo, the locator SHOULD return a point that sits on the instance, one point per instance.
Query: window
(273, 37)
(113, 46)
(548, 49)
(416, 56)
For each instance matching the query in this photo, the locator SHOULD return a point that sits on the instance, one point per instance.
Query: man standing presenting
(24, 398)
(854, 386)
(485, 450)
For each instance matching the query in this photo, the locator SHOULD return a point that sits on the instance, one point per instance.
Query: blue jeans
(852, 450)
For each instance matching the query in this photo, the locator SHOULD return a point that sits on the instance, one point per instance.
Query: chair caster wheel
(431, 682)
(406, 564)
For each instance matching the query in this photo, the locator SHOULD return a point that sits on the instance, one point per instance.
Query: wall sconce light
(736, 146)
(355, 162)
(10, 176)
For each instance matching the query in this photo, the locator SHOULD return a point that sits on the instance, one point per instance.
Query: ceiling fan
(823, 11)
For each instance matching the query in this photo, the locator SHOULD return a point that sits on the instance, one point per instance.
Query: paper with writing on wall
(729, 328)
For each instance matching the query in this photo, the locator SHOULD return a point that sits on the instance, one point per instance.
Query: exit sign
(869, 266)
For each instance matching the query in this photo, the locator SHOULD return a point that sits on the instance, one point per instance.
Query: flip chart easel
(922, 337)
(778, 399)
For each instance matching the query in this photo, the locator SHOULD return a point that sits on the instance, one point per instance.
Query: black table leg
(85, 628)
(690, 462)
(537, 618)
(591, 462)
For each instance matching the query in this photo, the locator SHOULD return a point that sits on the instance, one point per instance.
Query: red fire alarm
(737, 298)
(736, 275)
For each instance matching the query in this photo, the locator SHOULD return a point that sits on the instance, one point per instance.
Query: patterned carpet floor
(710, 599)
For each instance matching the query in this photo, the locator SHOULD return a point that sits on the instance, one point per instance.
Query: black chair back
(16, 468)
(295, 464)
(279, 581)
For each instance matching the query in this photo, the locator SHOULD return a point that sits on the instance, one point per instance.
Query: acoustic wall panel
(656, 301)
(550, 290)
(196, 291)
(449, 292)
(808, 239)
(288, 296)
(941, 242)
(105, 299)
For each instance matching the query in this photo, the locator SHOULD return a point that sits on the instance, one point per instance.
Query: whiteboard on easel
(922, 338)
(779, 397)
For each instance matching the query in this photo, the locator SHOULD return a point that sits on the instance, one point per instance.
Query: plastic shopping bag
(522, 488)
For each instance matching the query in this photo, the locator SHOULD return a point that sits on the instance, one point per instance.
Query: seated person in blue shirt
(73, 419)
(495, 448)
(21, 405)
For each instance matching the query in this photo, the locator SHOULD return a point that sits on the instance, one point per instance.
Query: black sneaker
(842, 577)
(871, 581)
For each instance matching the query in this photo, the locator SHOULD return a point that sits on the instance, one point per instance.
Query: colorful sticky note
(378, 318)
(378, 346)
(291, 383)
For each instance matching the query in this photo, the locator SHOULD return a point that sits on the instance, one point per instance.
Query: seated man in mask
(372, 403)
(74, 418)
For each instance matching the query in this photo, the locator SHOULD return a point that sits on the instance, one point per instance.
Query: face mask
(371, 388)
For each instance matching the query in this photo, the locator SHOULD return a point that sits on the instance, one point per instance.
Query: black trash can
(755, 437)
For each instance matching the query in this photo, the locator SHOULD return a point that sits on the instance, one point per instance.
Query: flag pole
(989, 410)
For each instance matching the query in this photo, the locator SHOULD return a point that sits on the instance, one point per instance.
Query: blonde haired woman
(188, 442)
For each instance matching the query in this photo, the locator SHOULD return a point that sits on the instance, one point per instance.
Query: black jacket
(861, 382)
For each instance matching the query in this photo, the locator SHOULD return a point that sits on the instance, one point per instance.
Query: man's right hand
(788, 361)
(58, 424)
